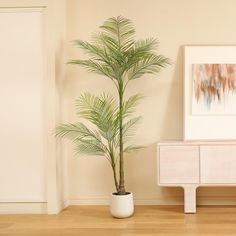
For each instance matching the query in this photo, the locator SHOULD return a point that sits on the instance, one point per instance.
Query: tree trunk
(122, 180)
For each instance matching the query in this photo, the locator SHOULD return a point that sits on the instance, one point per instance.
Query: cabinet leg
(190, 198)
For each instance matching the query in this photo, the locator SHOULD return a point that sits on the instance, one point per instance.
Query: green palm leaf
(140, 49)
(102, 111)
(95, 67)
(149, 64)
(129, 128)
(100, 55)
(130, 105)
(121, 31)
(80, 135)
(132, 148)
(90, 146)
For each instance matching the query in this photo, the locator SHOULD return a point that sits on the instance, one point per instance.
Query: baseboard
(41, 208)
(166, 201)
(65, 204)
(106, 201)
(88, 201)
(213, 200)
(23, 208)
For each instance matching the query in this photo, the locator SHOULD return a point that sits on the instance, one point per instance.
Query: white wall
(22, 152)
(174, 23)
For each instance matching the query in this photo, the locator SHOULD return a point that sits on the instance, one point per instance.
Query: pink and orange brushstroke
(212, 82)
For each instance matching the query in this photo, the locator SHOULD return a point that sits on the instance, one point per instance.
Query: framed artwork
(209, 92)
(213, 89)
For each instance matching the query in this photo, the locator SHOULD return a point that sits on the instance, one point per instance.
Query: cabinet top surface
(196, 142)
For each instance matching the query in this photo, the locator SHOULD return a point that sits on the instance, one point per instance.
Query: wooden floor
(147, 221)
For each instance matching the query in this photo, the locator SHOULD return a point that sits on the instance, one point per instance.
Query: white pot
(122, 206)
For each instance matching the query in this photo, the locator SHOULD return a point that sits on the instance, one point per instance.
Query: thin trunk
(113, 165)
(121, 92)
(122, 179)
(115, 178)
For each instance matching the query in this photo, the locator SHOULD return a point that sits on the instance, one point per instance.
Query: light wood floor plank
(147, 221)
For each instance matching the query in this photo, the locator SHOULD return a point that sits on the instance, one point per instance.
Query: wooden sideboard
(196, 163)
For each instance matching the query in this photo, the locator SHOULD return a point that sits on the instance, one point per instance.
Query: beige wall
(174, 23)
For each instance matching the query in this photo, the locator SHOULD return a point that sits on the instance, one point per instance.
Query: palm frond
(139, 50)
(149, 64)
(111, 49)
(131, 148)
(130, 105)
(146, 45)
(72, 131)
(90, 146)
(91, 49)
(100, 53)
(129, 127)
(101, 110)
(80, 135)
(95, 67)
(115, 54)
(105, 41)
(120, 30)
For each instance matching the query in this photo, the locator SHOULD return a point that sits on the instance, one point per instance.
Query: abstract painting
(214, 89)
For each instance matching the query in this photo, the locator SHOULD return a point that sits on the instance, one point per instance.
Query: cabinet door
(218, 164)
(178, 164)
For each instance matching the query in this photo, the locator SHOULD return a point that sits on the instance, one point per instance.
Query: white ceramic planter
(122, 206)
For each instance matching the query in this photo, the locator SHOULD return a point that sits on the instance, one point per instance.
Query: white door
(22, 163)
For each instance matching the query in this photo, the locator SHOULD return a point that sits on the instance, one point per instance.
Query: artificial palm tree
(115, 54)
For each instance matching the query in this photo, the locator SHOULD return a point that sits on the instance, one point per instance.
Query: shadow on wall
(60, 150)
(216, 196)
(141, 178)
(172, 125)
(141, 166)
